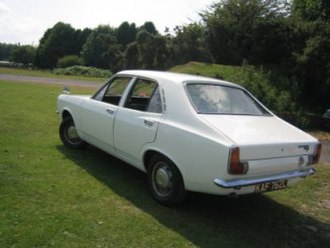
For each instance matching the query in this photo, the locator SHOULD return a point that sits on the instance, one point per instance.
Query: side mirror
(66, 90)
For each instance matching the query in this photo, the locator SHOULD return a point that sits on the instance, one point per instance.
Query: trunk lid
(262, 137)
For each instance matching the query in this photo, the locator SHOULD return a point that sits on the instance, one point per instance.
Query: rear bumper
(238, 183)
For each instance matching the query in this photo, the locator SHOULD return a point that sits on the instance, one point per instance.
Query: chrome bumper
(238, 183)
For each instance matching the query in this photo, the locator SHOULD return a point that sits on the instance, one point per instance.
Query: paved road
(325, 156)
(44, 80)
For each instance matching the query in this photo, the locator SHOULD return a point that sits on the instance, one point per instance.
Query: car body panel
(134, 129)
(98, 132)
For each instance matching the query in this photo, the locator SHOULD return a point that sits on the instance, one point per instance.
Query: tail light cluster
(317, 154)
(236, 167)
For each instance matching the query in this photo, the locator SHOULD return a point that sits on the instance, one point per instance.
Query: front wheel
(165, 181)
(69, 135)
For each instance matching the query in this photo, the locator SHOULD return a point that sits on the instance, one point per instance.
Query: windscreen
(219, 99)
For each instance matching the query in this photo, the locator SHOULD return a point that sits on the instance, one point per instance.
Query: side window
(113, 91)
(155, 103)
(144, 96)
(100, 93)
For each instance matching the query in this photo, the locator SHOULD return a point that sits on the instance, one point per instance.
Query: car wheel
(69, 135)
(165, 181)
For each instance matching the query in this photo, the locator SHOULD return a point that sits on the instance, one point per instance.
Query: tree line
(288, 39)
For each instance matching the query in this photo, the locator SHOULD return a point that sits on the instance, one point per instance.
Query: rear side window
(144, 96)
(113, 91)
(219, 99)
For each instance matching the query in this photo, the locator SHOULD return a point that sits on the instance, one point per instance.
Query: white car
(189, 133)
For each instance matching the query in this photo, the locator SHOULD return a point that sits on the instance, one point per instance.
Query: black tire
(165, 181)
(69, 136)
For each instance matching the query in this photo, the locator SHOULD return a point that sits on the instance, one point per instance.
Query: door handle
(110, 111)
(149, 123)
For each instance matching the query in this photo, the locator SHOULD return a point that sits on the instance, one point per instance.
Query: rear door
(137, 121)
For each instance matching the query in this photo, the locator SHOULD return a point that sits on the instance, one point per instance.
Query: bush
(83, 71)
(70, 60)
(261, 84)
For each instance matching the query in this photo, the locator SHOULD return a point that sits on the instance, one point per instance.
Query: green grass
(51, 196)
(46, 73)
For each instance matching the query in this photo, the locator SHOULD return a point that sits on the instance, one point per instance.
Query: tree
(115, 57)
(311, 10)
(100, 46)
(81, 37)
(6, 51)
(56, 43)
(189, 44)
(312, 55)
(24, 54)
(145, 40)
(126, 33)
(132, 56)
(231, 24)
(149, 51)
(149, 27)
(273, 42)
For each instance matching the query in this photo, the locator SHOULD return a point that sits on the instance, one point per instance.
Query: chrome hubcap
(162, 179)
(72, 133)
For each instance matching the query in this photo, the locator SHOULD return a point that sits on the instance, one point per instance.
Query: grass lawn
(51, 196)
(46, 73)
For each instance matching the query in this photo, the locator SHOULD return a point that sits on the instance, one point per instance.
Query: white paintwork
(132, 132)
(198, 144)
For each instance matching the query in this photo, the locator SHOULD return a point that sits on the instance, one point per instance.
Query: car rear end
(266, 154)
(262, 168)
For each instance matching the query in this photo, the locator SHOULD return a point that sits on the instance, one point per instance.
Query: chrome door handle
(149, 123)
(110, 111)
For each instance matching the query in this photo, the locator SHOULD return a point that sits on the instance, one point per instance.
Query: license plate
(271, 186)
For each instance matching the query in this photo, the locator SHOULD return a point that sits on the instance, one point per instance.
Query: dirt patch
(325, 154)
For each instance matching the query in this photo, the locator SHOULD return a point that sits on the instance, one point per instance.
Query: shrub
(261, 84)
(83, 71)
(70, 60)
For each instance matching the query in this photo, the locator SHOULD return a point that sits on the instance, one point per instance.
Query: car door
(137, 121)
(99, 113)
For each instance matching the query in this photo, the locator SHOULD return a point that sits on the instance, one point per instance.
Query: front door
(99, 113)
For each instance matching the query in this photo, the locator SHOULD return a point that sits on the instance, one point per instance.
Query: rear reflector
(317, 154)
(235, 166)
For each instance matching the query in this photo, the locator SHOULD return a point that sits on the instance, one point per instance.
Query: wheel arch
(169, 189)
(147, 157)
(67, 113)
(152, 152)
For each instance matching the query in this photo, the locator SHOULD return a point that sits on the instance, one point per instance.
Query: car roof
(175, 77)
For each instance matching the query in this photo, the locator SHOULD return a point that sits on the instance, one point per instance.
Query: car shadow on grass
(205, 220)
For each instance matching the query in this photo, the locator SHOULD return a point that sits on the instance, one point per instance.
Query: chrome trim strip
(237, 183)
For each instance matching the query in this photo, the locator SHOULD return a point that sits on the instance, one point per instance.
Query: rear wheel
(69, 135)
(165, 181)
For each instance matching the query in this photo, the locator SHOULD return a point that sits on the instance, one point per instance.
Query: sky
(25, 21)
